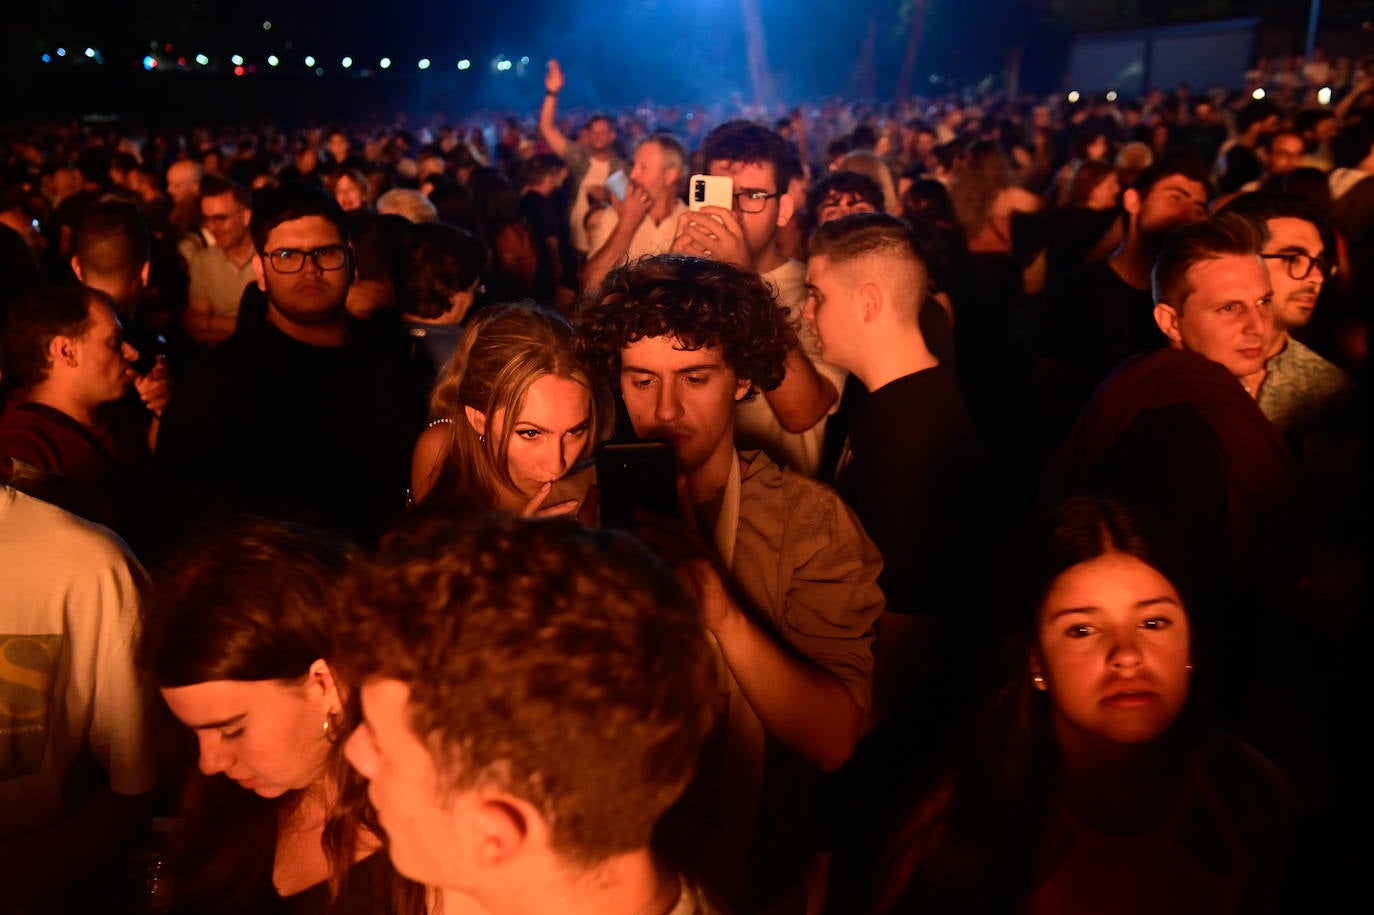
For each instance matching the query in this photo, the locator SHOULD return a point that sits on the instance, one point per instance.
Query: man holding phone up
(788, 422)
(643, 220)
(783, 573)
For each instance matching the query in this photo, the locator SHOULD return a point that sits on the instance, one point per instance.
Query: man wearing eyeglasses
(788, 423)
(220, 272)
(1296, 388)
(303, 415)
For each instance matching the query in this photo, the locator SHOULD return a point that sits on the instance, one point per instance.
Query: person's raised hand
(535, 507)
(636, 204)
(155, 388)
(713, 232)
(553, 77)
(679, 542)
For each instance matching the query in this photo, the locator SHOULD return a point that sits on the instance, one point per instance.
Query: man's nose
(668, 407)
(130, 354)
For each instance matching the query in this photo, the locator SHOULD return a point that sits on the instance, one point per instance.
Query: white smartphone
(618, 184)
(710, 191)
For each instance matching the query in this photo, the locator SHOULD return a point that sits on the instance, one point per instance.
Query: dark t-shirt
(914, 464)
(102, 474)
(1092, 323)
(267, 424)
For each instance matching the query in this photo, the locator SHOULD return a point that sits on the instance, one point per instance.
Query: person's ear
(870, 298)
(143, 274)
(323, 688)
(503, 825)
(786, 207)
(1168, 320)
(62, 349)
(259, 270)
(477, 420)
(1130, 201)
(742, 388)
(76, 268)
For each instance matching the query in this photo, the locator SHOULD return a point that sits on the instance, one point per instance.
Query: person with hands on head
(646, 220)
(788, 422)
(590, 163)
(514, 411)
(782, 571)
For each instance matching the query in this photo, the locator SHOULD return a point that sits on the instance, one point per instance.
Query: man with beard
(1297, 389)
(1105, 313)
(305, 415)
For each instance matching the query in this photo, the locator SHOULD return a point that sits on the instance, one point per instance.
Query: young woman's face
(267, 735)
(1105, 194)
(550, 434)
(1113, 649)
(348, 195)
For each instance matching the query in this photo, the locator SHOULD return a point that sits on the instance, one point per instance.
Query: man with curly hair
(534, 695)
(784, 575)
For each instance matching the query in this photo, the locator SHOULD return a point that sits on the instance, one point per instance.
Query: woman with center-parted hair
(1088, 780)
(514, 412)
(237, 637)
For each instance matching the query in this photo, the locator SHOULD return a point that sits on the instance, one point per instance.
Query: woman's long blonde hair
(505, 350)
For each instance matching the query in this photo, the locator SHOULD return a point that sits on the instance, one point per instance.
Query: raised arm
(548, 129)
(805, 395)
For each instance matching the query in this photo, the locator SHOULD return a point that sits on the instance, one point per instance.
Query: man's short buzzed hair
(32, 322)
(752, 144)
(215, 185)
(854, 184)
(1173, 162)
(273, 206)
(1258, 207)
(702, 303)
(112, 240)
(864, 234)
(1222, 235)
(563, 665)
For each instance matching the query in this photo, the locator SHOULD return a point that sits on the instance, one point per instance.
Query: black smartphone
(631, 476)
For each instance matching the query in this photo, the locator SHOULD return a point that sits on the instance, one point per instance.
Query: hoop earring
(1038, 679)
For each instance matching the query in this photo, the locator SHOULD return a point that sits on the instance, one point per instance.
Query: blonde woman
(514, 412)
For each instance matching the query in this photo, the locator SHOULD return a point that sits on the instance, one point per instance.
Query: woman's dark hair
(1082, 180)
(254, 600)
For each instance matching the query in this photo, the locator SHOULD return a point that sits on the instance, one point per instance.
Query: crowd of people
(1010, 556)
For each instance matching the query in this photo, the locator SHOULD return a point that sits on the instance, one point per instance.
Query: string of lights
(167, 57)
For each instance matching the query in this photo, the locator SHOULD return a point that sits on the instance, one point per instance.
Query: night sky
(615, 53)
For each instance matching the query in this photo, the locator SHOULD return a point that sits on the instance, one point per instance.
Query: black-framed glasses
(292, 260)
(1300, 265)
(753, 201)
